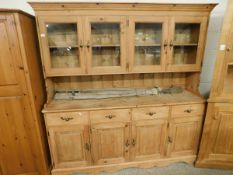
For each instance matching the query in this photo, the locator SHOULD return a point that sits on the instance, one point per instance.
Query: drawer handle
(188, 110)
(67, 118)
(110, 116)
(151, 113)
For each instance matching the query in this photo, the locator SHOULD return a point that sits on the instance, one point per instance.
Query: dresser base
(116, 167)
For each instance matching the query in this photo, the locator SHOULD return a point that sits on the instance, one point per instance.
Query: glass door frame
(88, 44)
(131, 33)
(203, 21)
(43, 34)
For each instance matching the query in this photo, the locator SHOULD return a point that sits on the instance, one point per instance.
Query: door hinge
(48, 133)
(168, 124)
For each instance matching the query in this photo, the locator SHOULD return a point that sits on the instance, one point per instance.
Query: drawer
(110, 116)
(187, 110)
(69, 118)
(150, 113)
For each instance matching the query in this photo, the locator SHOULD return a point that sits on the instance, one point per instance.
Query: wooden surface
(23, 149)
(216, 150)
(115, 133)
(77, 105)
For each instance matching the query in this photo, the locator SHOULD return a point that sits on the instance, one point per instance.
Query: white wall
(214, 30)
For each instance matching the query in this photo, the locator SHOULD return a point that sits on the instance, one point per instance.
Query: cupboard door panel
(225, 132)
(9, 60)
(69, 146)
(216, 144)
(184, 136)
(148, 139)
(105, 44)
(62, 45)
(110, 142)
(186, 43)
(148, 43)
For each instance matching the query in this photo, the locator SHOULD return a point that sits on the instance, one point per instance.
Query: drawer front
(120, 115)
(69, 118)
(187, 110)
(150, 113)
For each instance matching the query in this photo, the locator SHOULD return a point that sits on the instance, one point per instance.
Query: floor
(175, 169)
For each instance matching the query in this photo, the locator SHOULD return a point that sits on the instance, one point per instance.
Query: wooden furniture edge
(116, 167)
(44, 6)
(16, 11)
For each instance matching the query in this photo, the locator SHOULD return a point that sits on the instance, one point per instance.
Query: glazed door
(62, 45)
(110, 142)
(69, 145)
(148, 139)
(184, 134)
(147, 43)
(186, 43)
(105, 44)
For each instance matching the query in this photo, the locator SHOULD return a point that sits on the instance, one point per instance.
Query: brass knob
(188, 110)
(110, 116)
(151, 113)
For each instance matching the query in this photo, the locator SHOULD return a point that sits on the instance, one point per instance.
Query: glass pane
(64, 57)
(147, 55)
(105, 33)
(105, 44)
(186, 33)
(147, 40)
(228, 83)
(62, 34)
(106, 56)
(184, 54)
(62, 40)
(148, 33)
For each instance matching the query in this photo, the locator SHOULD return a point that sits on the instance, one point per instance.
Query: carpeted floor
(175, 169)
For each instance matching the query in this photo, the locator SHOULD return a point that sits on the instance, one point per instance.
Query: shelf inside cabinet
(106, 45)
(185, 44)
(147, 45)
(64, 46)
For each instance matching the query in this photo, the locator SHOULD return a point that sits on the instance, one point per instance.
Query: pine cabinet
(131, 48)
(23, 145)
(216, 148)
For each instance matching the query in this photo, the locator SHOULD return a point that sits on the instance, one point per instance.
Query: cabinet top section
(48, 6)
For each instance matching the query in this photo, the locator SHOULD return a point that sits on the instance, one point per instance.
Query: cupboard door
(217, 141)
(187, 42)
(184, 134)
(110, 142)
(62, 45)
(148, 139)
(148, 43)
(105, 44)
(69, 145)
